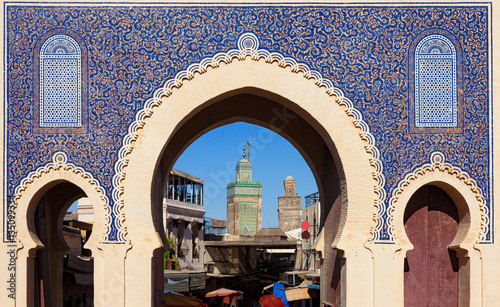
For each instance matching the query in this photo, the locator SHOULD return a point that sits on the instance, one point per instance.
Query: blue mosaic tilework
(435, 83)
(132, 51)
(60, 83)
(248, 219)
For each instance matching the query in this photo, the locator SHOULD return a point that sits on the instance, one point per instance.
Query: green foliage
(170, 255)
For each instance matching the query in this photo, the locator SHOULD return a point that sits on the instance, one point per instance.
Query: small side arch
(472, 217)
(462, 189)
(26, 198)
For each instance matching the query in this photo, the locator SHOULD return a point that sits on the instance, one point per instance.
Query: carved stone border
(60, 162)
(437, 162)
(248, 46)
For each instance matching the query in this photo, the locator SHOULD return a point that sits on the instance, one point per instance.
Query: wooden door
(431, 269)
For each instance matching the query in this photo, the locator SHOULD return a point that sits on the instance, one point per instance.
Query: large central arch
(263, 93)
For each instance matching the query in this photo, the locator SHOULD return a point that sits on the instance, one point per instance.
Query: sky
(213, 158)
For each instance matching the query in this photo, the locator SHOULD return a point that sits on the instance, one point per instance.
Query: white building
(311, 213)
(183, 215)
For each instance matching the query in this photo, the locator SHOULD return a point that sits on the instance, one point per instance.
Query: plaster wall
(85, 210)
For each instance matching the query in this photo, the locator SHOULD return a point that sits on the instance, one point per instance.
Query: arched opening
(321, 128)
(431, 270)
(233, 257)
(63, 269)
(464, 200)
(46, 247)
(279, 115)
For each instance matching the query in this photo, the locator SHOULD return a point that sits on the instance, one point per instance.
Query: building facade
(85, 211)
(244, 202)
(183, 216)
(289, 207)
(392, 104)
(310, 253)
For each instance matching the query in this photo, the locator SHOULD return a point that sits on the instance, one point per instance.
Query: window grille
(60, 82)
(436, 92)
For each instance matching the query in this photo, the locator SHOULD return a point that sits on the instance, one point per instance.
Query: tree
(169, 256)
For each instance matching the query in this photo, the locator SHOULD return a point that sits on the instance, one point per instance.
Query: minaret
(244, 201)
(289, 207)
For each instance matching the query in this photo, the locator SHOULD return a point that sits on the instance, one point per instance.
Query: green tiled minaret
(244, 201)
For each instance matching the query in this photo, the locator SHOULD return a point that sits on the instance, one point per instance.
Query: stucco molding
(60, 163)
(438, 164)
(248, 47)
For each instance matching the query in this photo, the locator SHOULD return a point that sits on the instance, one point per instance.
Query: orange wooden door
(431, 269)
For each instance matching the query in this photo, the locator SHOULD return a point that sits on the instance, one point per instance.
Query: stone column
(357, 276)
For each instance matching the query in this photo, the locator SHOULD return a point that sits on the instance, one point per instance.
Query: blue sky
(213, 158)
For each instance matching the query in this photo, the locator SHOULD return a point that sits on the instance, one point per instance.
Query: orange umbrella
(270, 300)
(223, 292)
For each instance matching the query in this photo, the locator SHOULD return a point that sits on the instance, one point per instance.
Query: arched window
(436, 93)
(60, 83)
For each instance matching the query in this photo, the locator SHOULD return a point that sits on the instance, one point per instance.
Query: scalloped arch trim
(437, 163)
(60, 162)
(248, 46)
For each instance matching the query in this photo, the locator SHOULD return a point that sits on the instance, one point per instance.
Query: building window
(436, 93)
(60, 83)
(195, 246)
(170, 229)
(181, 245)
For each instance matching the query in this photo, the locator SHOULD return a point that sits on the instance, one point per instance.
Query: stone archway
(348, 149)
(77, 183)
(468, 199)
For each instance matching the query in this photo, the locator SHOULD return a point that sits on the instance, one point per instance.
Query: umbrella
(270, 300)
(222, 292)
(174, 300)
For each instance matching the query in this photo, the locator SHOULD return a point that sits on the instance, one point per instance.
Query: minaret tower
(244, 200)
(289, 207)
